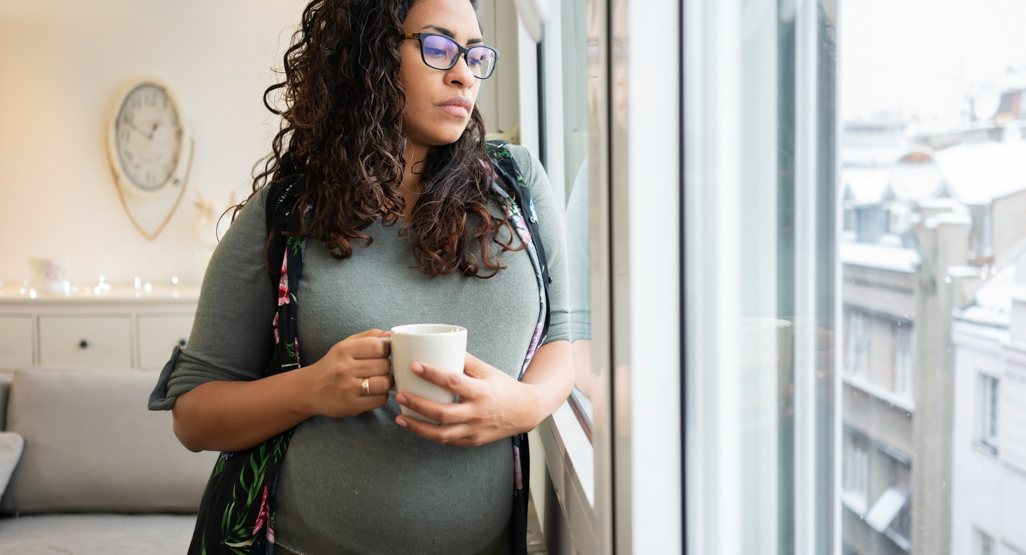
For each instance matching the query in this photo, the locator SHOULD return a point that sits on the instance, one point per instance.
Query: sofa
(98, 473)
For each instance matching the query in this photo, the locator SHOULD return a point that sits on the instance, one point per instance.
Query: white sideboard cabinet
(123, 327)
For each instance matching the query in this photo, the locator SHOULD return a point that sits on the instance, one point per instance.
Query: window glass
(763, 330)
(931, 159)
(574, 53)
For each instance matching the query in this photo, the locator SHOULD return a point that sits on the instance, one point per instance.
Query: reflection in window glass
(933, 274)
(575, 147)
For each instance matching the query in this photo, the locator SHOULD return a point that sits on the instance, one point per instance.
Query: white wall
(988, 492)
(61, 62)
(978, 479)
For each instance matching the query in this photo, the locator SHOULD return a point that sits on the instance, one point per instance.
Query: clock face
(148, 137)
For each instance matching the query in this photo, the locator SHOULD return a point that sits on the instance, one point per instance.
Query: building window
(984, 544)
(904, 358)
(856, 472)
(871, 221)
(891, 513)
(987, 410)
(857, 354)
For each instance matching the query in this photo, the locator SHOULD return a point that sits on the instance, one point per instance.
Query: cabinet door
(157, 337)
(86, 341)
(15, 342)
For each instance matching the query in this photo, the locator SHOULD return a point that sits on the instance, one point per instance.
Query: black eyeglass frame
(463, 51)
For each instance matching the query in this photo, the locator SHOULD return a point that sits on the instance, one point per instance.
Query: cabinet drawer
(92, 341)
(157, 337)
(15, 342)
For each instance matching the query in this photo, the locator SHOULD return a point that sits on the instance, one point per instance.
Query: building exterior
(988, 487)
(922, 232)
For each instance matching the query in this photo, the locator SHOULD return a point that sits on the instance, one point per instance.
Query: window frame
(636, 324)
(988, 403)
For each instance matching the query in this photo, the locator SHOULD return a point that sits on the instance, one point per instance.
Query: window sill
(854, 503)
(985, 449)
(570, 460)
(881, 393)
(576, 454)
(898, 539)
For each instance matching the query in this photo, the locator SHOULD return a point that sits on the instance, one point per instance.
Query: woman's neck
(410, 187)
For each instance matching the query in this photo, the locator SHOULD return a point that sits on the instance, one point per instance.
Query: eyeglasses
(441, 52)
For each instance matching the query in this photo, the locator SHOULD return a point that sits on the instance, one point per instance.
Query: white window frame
(988, 404)
(904, 358)
(715, 57)
(638, 333)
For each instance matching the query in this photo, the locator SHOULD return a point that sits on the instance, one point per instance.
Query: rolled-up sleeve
(232, 334)
(550, 223)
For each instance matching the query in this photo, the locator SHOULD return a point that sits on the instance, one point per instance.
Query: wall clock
(149, 148)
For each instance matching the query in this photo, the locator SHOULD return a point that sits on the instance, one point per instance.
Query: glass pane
(575, 86)
(934, 205)
(762, 323)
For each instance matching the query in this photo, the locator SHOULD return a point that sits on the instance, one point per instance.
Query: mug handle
(391, 392)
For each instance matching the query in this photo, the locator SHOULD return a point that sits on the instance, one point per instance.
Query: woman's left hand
(492, 405)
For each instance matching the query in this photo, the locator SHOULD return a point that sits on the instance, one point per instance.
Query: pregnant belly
(364, 485)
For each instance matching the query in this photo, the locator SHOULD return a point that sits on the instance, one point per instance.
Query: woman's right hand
(337, 378)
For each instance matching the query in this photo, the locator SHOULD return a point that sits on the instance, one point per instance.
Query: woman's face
(433, 96)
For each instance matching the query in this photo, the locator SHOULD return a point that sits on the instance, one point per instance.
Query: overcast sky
(920, 55)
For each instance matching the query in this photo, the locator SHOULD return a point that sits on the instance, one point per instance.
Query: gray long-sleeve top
(362, 484)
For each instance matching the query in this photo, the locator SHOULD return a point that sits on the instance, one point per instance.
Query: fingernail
(401, 399)
(418, 368)
(401, 421)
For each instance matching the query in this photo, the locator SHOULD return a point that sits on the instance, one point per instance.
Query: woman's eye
(435, 53)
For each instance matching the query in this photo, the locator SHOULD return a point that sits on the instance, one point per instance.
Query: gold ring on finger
(365, 386)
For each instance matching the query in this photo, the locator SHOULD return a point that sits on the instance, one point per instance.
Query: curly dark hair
(342, 121)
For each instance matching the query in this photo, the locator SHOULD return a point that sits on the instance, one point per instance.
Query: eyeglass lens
(442, 53)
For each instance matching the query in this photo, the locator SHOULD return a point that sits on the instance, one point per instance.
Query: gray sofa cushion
(91, 445)
(96, 534)
(11, 447)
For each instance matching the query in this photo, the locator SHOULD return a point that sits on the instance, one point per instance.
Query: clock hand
(152, 131)
(136, 129)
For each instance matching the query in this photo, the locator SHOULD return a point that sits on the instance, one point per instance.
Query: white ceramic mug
(439, 345)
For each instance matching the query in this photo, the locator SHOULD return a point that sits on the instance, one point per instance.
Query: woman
(404, 229)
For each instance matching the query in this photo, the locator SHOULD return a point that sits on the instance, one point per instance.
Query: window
(573, 108)
(922, 101)
(857, 336)
(984, 544)
(764, 343)
(855, 483)
(891, 512)
(904, 358)
(622, 220)
(987, 410)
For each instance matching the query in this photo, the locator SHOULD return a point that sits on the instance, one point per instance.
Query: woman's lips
(456, 110)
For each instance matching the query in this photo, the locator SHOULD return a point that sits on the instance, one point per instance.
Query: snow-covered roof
(979, 173)
(866, 185)
(993, 301)
(880, 257)
(915, 177)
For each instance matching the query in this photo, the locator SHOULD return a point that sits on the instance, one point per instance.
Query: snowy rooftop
(973, 173)
(979, 173)
(880, 257)
(866, 185)
(993, 306)
(915, 181)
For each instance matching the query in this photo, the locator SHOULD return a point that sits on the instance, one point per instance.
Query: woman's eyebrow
(450, 34)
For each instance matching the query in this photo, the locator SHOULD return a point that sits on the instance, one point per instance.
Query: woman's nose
(460, 73)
